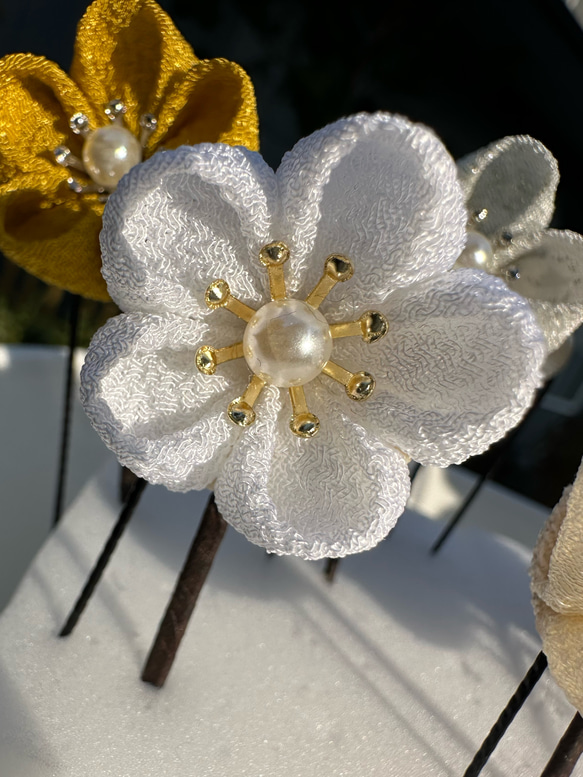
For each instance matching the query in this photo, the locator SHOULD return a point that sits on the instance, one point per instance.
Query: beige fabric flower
(557, 589)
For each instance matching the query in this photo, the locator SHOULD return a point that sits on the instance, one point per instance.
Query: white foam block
(399, 668)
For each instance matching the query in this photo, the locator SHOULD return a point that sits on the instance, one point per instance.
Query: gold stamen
(240, 411)
(208, 358)
(303, 423)
(218, 295)
(371, 326)
(274, 256)
(337, 269)
(358, 385)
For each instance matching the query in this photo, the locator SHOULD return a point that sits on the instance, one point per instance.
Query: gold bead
(217, 294)
(360, 386)
(241, 413)
(339, 267)
(274, 254)
(374, 326)
(305, 425)
(206, 360)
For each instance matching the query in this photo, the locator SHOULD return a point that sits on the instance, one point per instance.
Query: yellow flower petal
(129, 50)
(37, 101)
(55, 238)
(215, 102)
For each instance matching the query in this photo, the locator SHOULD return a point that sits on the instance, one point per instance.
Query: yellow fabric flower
(127, 50)
(557, 591)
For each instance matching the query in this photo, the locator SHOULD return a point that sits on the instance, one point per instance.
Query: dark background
(473, 71)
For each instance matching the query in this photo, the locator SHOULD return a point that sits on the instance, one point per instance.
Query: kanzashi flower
(510, 189)
(288, 337)
(135, 86)
(557, 591)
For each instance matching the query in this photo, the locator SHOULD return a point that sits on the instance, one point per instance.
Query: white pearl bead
(287, 342)
(477, 254)
(109, 153)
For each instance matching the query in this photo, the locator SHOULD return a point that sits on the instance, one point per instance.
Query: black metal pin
(74, 306)
(105, 556)
(507, 715)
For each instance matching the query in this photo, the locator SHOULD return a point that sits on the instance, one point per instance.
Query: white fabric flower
(509, 188)
(456, 369)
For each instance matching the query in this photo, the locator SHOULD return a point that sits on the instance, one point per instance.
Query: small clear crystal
(148, 122)
(62, 154)
(79, 123)
(115, 108)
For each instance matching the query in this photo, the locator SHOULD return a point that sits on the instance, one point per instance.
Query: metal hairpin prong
(337, 269)
(303, 423)
(79, 124)
(371, 326)
(274, 256)
(358, 385)
(218, 295)
(241, 411)
(80, 188)
(208, 358)
(114, 110)
(148, 124)
(478, 216)
(65, 158)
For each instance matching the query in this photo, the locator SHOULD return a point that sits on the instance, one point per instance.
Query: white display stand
(399, 669)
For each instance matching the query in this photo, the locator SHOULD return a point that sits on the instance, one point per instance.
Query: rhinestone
(512, 273)
(480, 215)
(506, 237)
(148, 122)
(305, 425)
(115, 108)
(62, 154)
(217, 294)
(275, 253)
(79, 123)
(339, 267)
(241, 413)
(360, 386)
(205, 360)
(374, 326)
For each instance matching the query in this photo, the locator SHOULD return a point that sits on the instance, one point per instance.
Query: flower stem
(188, 587)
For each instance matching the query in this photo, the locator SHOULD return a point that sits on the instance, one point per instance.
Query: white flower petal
(382, 191)
(143, 394)
(183, 219)
(340, 492)
(550, 267)
(515, 179)
(457, 369)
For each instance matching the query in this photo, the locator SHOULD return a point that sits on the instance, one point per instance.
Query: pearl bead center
(477, 254)
(109, 153)
(287, 342)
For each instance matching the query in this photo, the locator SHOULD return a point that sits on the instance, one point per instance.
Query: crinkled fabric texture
(125, 49)
(515, 180)
(457, 369)
(557, 591)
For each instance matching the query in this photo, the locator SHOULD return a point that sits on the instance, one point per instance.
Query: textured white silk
(513, 182)
(457, 369)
